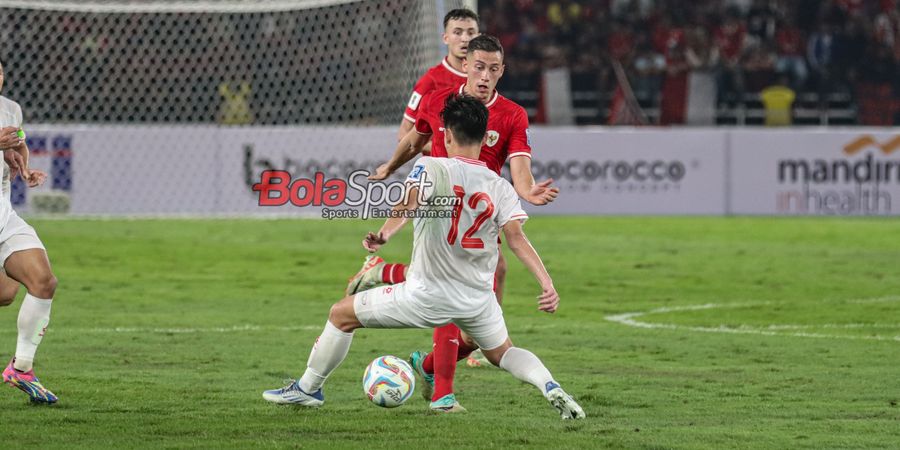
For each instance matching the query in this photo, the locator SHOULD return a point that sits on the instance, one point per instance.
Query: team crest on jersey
(492, 138)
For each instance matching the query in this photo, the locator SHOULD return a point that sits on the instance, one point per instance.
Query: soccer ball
(389, 381)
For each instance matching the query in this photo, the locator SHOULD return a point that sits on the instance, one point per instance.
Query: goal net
(161, 80)
(261, 62)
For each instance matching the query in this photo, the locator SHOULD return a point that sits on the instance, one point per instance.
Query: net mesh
(270, 62)
(125, 101)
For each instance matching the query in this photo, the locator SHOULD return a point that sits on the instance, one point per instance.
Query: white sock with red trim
(330, 350)
(34, 316)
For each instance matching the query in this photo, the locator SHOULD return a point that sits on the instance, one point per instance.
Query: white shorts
(17, 236)
(397, 307)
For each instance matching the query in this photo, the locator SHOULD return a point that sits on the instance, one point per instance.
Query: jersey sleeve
(509, 207)
(422, 126)
(430, 176)
(18, 115)
(520, 137)
(422, 88)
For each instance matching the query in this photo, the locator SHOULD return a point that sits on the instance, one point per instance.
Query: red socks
(448, 349)
(446, 343)
(393, 273)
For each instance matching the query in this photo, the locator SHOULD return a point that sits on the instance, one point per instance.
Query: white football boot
(564, 403)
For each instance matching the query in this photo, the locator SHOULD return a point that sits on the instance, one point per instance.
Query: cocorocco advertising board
(827, 172)
(631, 172)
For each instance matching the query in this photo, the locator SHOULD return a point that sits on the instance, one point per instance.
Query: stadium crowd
(819, 47)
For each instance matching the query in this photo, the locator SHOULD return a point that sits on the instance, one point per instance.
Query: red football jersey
(439, 77)
(507, 129)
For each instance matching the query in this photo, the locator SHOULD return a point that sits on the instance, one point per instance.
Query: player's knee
(496, 354)
(44, 286)
(342, 318)
(5, 299)
(334, 315)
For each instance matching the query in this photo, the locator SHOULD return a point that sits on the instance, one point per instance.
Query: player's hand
(548, 301)
(381, 173)
(15, 162)
(542, 193)
(34, 178)
(9, 138)
(373, 242)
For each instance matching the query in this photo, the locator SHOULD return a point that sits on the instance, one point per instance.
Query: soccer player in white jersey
(452, 269)
(23, 257)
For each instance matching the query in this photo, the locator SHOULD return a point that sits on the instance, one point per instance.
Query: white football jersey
(454, 258)
(10, 116)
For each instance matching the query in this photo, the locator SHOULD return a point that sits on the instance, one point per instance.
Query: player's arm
(548, 301)
(9, 143)
(395, 223)
(405, 126)
(523, 181)
(520, 165)
(407, 149)
(15, 154)
(423, 86)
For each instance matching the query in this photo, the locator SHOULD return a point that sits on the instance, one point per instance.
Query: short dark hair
(467, 117)
(460, 14)
(485, 43)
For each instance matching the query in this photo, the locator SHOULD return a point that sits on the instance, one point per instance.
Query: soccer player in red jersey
(506, 138)
(460, 27)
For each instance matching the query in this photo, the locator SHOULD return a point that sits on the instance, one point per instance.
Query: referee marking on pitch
(630, 319)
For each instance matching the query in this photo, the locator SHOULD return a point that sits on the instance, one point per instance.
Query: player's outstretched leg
(368, 277)
(525, 366)
(31, 268)
(375, 272)
(327, 354)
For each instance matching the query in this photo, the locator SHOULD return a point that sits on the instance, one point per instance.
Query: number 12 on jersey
(467, 240)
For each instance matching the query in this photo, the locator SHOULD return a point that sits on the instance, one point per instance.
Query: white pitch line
(890, 298)
(628, 319)
(843, 326)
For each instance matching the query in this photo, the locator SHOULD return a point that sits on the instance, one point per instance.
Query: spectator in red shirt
(673, 104)
(620, 42)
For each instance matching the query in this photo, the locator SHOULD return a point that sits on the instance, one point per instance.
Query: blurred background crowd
(839, 58)
(667, 62)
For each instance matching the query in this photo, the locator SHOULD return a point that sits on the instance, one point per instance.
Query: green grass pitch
(672, 333)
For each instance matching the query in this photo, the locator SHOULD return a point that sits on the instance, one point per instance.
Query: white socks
(34, 315)
(525, 366)
(330, 350)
